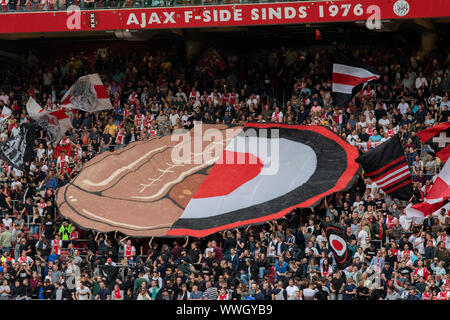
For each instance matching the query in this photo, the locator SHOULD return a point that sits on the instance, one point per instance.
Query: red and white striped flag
(350, 76)
(88, 94)
(436, 197)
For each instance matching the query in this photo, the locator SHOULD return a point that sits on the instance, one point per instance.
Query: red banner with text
(222, 16)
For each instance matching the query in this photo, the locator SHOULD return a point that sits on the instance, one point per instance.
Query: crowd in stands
(394, 258)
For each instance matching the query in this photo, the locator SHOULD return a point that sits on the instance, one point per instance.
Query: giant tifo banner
(223, 15)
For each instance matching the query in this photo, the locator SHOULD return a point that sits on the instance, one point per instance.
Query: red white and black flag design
(438, 140)
(313, 162)
(88, 94)
(55, 122)
(386, 165)
(337, 240)
(350, 76)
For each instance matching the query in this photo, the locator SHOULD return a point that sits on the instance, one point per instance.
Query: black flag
(337, 240)
(18, 151)
(386, 165)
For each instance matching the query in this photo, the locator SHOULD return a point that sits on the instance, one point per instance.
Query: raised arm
(150, 242)
(122, 241)
(186, 243)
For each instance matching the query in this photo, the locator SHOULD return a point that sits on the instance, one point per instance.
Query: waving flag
(337, 240)
(438, 139)
(18, 151)
(386, 165)
(436, 197)
(235, 194)
(55, 123)
(198, 198)
(88, 94)
(349, 77)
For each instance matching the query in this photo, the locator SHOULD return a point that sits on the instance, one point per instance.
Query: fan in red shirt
(390, 221)
(120, 136)
(32, 92)
(233, 96)
(421, 270)
(390, 131)
(129, 251)
(444, 294)
(62, 161)
(426, 188)
(427, 294)
(73, 235)
(223, 295)
(57, 244)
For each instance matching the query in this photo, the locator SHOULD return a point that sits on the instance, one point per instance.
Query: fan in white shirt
(40, 152)
(362, 236)
(7, 222)
(362, 124)
(421, 79)
(384, 122)
(404, 221)
(174, 118)
(418, 244)
(372, 120)
(291, 291)
(403, 107)
(15, 131)
(356, 204)
(17, 173)
(16, 183)
(373, 186)
(5, 98)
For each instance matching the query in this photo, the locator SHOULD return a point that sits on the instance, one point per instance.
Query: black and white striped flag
(386, 165)
(349, 77)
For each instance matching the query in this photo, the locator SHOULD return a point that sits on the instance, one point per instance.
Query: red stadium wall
(220, 16)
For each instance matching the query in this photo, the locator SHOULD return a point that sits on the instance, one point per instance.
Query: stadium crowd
(394, 258)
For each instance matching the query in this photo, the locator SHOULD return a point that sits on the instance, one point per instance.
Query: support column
(428, 41)
(193, 47)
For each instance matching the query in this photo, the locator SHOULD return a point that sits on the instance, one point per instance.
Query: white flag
(88, 94)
